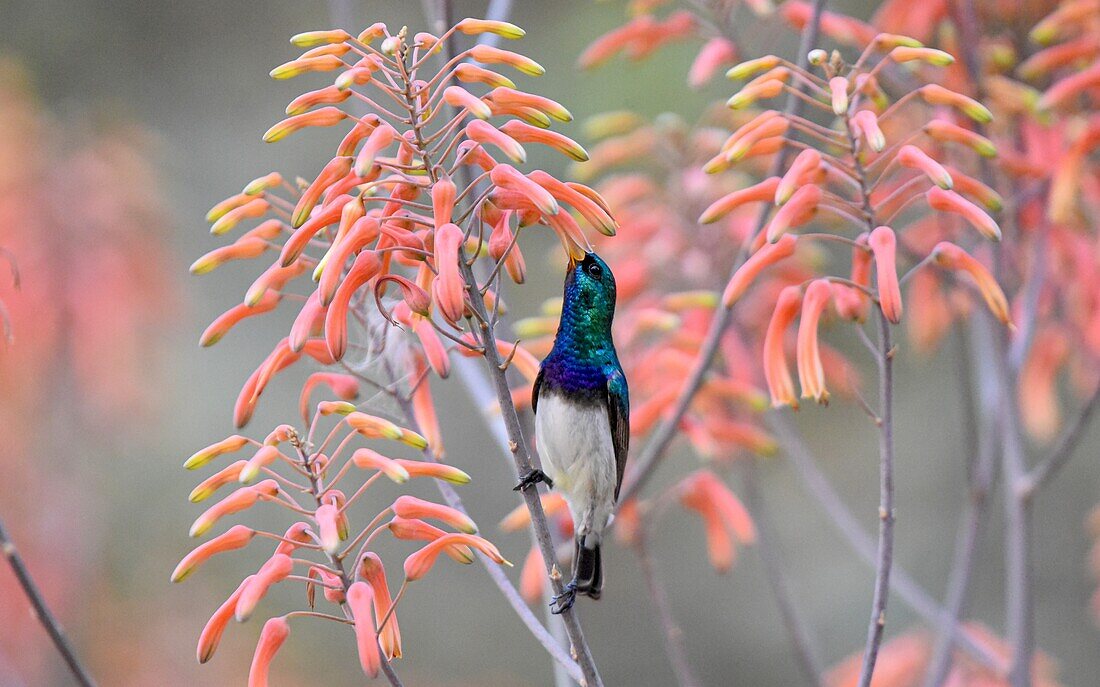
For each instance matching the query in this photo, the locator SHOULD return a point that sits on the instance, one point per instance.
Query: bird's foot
(560, 603)
(531, 479)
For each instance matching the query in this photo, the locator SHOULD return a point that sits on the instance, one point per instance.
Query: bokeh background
(173, 98)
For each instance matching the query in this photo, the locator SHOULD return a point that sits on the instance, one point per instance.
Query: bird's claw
(531, 479)
(560, 603)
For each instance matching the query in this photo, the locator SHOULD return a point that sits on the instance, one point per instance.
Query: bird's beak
(573, 262)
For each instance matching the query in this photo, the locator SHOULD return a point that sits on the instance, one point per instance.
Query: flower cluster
(397, 251)
(326, 549)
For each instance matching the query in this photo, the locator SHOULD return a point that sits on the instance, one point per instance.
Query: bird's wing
(535, 392)
(618, 415)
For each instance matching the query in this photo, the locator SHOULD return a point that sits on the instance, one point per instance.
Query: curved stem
(674, 636)
(42, 611)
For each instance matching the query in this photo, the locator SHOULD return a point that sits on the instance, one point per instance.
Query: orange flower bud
(373, 427)
(380, 138)
(368, 459)
(227, 475)
(485, 133)
(413, 508)
(272, 636)
(326, 116)
(330, 95)
(533, 582)
(274, 278)
(776, 372)
(710, 58)
(418, 530)
(326, 518)
(838, 92)
(487, 54)
(884, 246)
(525, 133)
(227, 320)
(914, 158)
(244, 248)
(449, 286)
(723, 516)
(236, 502)
(937, 58)
(470, 73)
(952, 257)
(360, 600)
(865, 124)
(457, 96)
(805, 164)
(262, 458)
(324, 63)
(746, 274)
(227, 445)
(851, 304)
(1065, 89)
(752, 92)
(274, 570)
(310, 39)
(949, 201)
(763, 191)
(371, 571)
(334, 170)
(934, 94)
(1038, 390)
(298, 533)
(418, 564)
(553, 504)
(367, 265)
(236, 537)
(476, 27)
(945, 131)
(811, 374)
(797, 211)
(212, 633)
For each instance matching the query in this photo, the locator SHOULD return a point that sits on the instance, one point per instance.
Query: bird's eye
(595, 270)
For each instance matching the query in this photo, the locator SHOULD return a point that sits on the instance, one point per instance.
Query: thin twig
(1054, 461)
(42, 611)
(806, 650)
(655, 449)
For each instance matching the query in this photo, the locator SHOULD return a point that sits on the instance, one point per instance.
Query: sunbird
(582, 419)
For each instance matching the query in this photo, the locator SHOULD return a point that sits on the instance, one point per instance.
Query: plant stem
(667, 430)
(1054, 461)
(42, 611)
(674, 636)
(885, 559)
(806, 650)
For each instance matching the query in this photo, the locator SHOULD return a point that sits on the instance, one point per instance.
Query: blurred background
(121, 123)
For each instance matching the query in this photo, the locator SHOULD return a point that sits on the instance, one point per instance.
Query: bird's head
(590, 284)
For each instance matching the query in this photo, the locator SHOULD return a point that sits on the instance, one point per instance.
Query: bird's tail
(587, 569)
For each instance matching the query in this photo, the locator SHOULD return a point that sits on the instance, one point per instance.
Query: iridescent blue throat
(583, 356)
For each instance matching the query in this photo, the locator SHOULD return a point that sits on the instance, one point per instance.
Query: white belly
(574, 444)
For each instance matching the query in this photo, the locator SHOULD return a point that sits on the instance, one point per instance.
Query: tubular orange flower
(838, 92)
(324, 63)
(502, 246)
(487, 54)
(1065, 89)
(329, 95)
(418, 530)
(934, 94)
(236, 537)
(360, 598)
(807, 162)
(485, 133)
(449, 287)
(345, 387)
(212, 633)
(760, 192)
(379, 139)
(362, 233)
(968, 185)
(949, 201)
(884, 246)
(532, 577)
(851, 304)
(865, 122)
(367, 265)
(274, 570)
(325, 116)
(952, 257)
(768, 255)
(274, 633)
(418, 564)
(242, 249)
(723, 516)
(776, 372)
(914, 158)
(369, 459)
(752, 92)
(945, 131)
(715, 53)
(255, 207)
(326, 518)
(457, 96)
(937, 58)
(1038, 390)
(471, 73)
(797, 211)
(228, 445)
(373, 427)
(420, 468)
(227, 320)
(227, 475)
(443, 200)
(274, 278)
(371, 570)
(261, 459)
(525, 133)
(811, 374)
(412, 508)
(334, 170)
(239, 500)
(553, 504)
